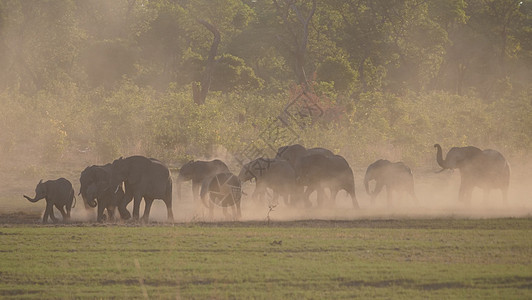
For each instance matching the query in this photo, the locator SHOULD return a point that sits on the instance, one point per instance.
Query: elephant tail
(72, 194)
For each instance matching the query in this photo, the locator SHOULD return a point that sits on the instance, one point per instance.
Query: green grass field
(427, 258)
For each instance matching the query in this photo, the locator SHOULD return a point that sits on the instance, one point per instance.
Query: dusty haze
(437, 195)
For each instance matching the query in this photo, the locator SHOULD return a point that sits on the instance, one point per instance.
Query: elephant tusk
(117, 188)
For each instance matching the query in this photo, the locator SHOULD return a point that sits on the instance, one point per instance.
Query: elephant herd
(293, 175)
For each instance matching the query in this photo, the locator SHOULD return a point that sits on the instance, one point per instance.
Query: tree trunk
(200, 90)
(299, 41)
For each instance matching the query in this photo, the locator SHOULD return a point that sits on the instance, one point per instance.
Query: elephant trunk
(88, 201)
(91, 202)
(32, 200)
(439, 157)
(124, 213)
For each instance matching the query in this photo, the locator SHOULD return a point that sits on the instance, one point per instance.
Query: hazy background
(85, 82)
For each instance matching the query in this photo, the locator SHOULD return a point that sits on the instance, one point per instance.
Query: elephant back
(60, 191)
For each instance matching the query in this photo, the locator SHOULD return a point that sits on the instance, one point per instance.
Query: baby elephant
(57, 192)
(394, 176)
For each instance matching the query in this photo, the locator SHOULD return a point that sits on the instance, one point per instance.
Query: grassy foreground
(442, 258)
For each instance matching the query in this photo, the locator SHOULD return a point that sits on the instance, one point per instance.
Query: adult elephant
(275, 174)
(318, 172)
(486, 169)
(197, 171)
(96, 190)
(58, 193)
(293, 154)
(146, 178)
(396, 177)
(223, 189)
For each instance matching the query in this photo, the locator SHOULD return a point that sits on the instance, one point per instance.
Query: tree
(40, 42)
(201, 89)
(296, 23)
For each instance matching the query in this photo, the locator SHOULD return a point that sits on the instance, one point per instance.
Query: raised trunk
(439, 156)
(32, 200)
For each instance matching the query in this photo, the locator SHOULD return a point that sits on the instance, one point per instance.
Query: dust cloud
(437, 194)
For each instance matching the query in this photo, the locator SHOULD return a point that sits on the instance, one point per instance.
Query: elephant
(293, 153)
(143, 177)
(57, 192)
(318, 172)
(394, 176)
(276, 174)
(486, 169)
(223, 189)
(96, 190)
(197, 171)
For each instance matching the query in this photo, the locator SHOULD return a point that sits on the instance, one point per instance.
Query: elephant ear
(102, 178)
(465, 155)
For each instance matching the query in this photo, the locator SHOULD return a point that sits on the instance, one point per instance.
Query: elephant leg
(466, 189)
(412, 194)
(258, 193)
(461, 193)
(51, 213)
(49, 207)
(378, 188)
(101, 208)
(288, 198)
(196, 191)
(226, 214)
(275, 199)
(465, 193)
(334, 193)
(111, 212)
(122, 206)
(169, 211)
(68, 209)
(238, 210)
(321, 197)
(211, 210)
(63, 213)
(147, 208)
(136, 206)
(354, 200)
(234, 213)
(306, 196)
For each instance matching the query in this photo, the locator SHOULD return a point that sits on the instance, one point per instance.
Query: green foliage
(231, 73)
(337, 71)
(115, 77)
